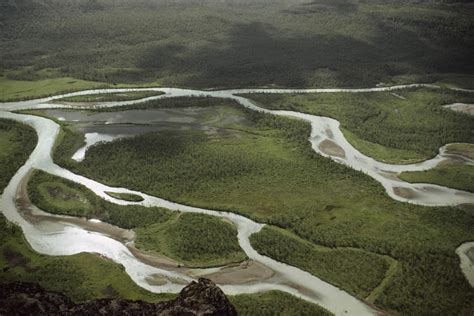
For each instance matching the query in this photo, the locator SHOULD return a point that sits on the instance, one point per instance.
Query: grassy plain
(158, 230)
(22, 89)
(266, 170)
(400, 127)
(249, 43)
(103, 97)
(456, 175)
(14, 90)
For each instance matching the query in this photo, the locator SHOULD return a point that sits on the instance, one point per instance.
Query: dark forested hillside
(238, 43)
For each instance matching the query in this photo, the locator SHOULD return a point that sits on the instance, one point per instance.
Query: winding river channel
(59, 235)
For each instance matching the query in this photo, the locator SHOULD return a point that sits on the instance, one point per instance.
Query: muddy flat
(246, 272)
(461, 107)
(406, 193)
(470, 254)
(329, 147)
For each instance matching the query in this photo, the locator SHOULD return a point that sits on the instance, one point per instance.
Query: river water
(56, 238)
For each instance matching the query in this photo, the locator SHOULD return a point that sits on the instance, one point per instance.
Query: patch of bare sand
(329, 147)
(406, 193)
(246, 272)
(155, 259)
(461, 107)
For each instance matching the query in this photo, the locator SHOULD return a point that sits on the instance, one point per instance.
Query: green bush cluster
(358, 272)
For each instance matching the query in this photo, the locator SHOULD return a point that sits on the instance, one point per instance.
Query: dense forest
(238, 43)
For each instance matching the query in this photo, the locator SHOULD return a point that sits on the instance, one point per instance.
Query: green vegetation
(249, 43)
(158, 230)
(81, 277)
(60, 196)
(387, 126)
(266, 170)
(21, 89)
(17, 141)
(103, 97)
(193, 239)
(125, 196)
(275, 303)
(13, 90)
(358, 272)
(176, 102)
(453, 174)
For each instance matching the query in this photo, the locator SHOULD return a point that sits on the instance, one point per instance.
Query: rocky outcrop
(197, 298)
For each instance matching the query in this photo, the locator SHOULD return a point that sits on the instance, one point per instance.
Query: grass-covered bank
(452, 174)
(104, 97)
(125, 196)
(191, 239)
(396, 127)
(358, 272)
(17, 141)
(266, 170)
(15, 90)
